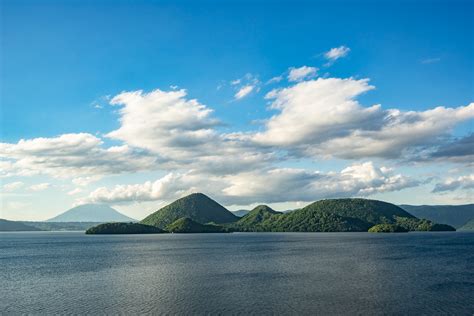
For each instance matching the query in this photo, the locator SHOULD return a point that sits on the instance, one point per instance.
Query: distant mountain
(187, 225)
(123, 228)
(469, 226)
(337, 215)
(91, 213)
(197, 207)
(240, 213)
(13, 226)
(454, 215)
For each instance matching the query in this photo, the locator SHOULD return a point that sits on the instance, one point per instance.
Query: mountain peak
(196, 206)
(263, 208)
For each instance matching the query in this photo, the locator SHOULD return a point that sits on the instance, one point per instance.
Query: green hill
(187, 225)
(454, 215)
(196, 206)
(12, 226)
(469, 226)
(253, 220)
(337, 215)
(124, 228)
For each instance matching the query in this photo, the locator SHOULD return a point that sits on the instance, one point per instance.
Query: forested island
(197, 213)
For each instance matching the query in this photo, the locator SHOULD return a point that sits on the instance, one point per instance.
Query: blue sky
(63, 61)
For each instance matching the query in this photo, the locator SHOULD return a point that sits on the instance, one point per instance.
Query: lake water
(242, 273)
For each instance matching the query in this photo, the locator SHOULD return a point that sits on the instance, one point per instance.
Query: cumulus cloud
(301, 73)
(270, 186)
(181, 132)
(244, 91)
(40, 186)
(163, 121)
(337, 52)
(462, 182)
(69, 155)
(322, 118)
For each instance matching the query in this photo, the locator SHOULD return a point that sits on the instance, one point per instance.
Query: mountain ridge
(454, 215)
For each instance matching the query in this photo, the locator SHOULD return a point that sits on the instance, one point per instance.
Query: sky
(137, 103)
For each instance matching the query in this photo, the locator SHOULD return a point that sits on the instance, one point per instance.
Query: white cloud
(430, 60)
(321, 118)
(12, 186)
(270, 186)
(451, 184)
(275, 80)
(40, 186)
(304, 72)
(68, 156)
(312, 111)
(337, 52)
(181, 133)
(163, 122)
(74, 191)
(235, 82)
(244, 91)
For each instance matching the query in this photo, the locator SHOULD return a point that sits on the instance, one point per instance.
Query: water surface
(241, 273)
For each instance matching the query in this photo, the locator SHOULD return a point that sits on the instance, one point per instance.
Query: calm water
(291, 273)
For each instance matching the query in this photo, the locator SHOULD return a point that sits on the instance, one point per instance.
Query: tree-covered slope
(13, 226)
(337, 215)
(123, 228)
(197, 206)
(187, 225)
(454, 215)
(387, 228)
(253, 220)
(91, 213)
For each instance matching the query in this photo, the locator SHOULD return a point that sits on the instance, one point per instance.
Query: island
(198, 213)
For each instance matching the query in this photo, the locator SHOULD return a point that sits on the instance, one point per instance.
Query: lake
(240, 273)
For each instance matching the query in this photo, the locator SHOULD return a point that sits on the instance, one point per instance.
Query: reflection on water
(266, 273)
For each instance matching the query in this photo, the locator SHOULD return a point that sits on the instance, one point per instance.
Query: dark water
(290, 273)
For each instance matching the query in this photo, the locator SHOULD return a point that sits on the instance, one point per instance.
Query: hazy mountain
(469, 226)
(197, 206)
(13, 226)
(454, 215)
(91, 213)
(240, 213)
